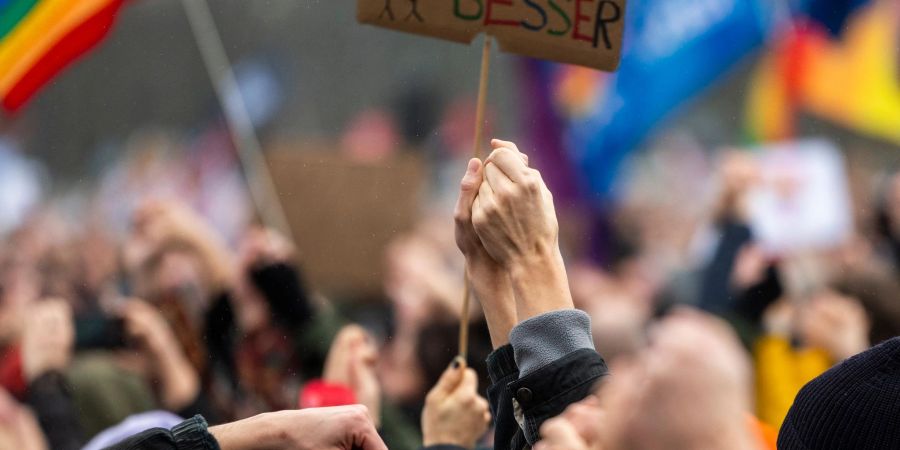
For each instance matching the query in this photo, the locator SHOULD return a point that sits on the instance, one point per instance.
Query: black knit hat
(853, 406)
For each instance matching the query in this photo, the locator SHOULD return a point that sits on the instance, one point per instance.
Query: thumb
(451, 377)
(468, 188)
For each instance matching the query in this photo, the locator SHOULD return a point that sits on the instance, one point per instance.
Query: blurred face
(689, 389)
(179, 275)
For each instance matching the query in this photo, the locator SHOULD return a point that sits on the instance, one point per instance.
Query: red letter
(488, 20)
(579, 18)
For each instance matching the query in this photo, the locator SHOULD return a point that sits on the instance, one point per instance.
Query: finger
(469, 382)
(485, 194)
(561, 434)
(468, 190)
(497, 179)
(368, 439)
(510, 162)
(481, 403)
(500, 143)
(358, 371)
(451, 377)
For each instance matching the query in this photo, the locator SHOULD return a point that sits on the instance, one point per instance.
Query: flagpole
(243, 133)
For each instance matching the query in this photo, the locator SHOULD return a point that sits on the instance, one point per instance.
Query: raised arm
(551, 362)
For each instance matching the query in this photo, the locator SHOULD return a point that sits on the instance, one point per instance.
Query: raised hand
(513, 213)
(351, 362)
(454, 413)
(836, 324)
(514, 217)
(578, 428)
(146, 327)
(156, 222)
(490, 281)
(48, 338)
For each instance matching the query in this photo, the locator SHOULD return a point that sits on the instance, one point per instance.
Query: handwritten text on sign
(582, 32)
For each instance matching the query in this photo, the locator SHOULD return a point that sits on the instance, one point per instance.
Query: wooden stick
(479, 138)
(482, 95)
(243, 133)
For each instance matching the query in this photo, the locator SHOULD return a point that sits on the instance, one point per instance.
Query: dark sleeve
(283, 288)
(558, 366)
(752, 303)
(502, 370)
(191, 434)
(547, 392)
(715, 290)
(51, 400)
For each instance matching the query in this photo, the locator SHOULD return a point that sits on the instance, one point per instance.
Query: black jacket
(538, 396)
(188, 435)
(521, 405)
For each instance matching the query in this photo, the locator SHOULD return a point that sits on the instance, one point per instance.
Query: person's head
(852, 405)
(690, 389)
(693, 359)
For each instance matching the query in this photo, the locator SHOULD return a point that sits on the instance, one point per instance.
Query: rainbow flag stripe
(852, 82)
(40, 38)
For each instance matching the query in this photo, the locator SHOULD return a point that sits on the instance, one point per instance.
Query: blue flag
(674, 50)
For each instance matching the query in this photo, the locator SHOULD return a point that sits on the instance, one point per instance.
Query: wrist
(540, 284)
(492, 289)
(255, 432)
(538, 260)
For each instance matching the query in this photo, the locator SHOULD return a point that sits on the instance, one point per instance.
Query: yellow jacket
(781, 371)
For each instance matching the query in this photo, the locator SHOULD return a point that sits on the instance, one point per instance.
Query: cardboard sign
(583, 32)
(329, 200)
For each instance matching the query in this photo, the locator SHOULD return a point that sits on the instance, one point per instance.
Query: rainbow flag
(40, 38)
(854, 81)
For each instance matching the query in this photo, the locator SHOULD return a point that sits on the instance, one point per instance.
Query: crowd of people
(170, 337)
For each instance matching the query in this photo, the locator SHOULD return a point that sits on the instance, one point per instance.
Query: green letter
(475, 16)
(565, 17)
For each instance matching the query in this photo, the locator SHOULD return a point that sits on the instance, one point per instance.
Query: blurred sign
(344, 213)
(583, 32)
(803, 201)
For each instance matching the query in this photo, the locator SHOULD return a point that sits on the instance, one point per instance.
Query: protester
(544, 359)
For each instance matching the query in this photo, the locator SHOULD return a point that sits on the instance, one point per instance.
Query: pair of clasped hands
(506, 227)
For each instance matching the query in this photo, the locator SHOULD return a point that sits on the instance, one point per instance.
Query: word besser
(605, 13)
